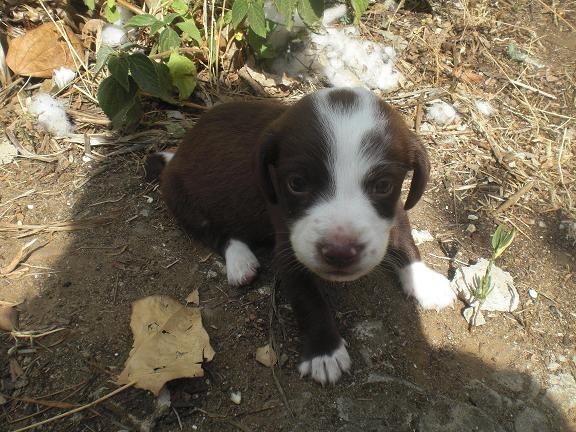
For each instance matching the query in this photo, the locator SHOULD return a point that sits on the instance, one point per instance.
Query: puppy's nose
(340, 253)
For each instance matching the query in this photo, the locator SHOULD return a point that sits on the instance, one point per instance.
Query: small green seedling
(501, 240)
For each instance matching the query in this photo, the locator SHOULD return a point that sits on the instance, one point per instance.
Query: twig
(534, 89)
(20, 256)
(515, 197)
(127, 5)
(274, 345)
(75, 410)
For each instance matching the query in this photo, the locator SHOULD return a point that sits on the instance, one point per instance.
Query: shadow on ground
(409, 373)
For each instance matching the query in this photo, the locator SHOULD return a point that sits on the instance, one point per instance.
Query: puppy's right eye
(297, 185)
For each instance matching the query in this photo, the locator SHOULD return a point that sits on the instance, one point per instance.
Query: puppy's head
(334, 164)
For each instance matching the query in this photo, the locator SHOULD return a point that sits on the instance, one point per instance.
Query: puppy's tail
(155, 164)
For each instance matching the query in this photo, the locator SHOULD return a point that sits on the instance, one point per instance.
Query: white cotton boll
(62, 77)
(484, 107)
(333, 14)
(51, 114)
(114, 35)
(442, 113)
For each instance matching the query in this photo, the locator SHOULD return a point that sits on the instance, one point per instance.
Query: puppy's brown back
(210, 185)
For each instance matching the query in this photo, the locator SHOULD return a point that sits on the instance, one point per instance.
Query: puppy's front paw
(430, 288)
(241, 264)
(327, 368)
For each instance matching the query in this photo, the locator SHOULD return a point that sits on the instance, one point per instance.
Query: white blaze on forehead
(345, 128)
(345, 208)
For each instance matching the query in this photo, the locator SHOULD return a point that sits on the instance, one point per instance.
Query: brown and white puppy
(321, 179)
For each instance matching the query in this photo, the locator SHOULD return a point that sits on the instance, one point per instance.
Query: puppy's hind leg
(241, 264)
(431, 289)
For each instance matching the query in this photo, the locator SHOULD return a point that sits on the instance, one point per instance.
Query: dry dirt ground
(413, 370)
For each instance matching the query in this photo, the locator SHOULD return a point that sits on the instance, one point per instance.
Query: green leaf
(260, 45)
(115, 100)
(183, 73)
(359, 7)
(239, 11)
(119, 70)
(180, 6)
(111, 13)
(111, 3)
(256, 18)
(170, 17)
(102, 57)
(189, 27)
(154, 28)
(153, 78)
(143, 20)
(169, 39)
(228, 17)
(310, 11)
(90, 4)
(286, 8)
(501, 240)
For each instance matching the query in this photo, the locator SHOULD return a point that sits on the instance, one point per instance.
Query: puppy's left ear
(421, 166)
(265, 160)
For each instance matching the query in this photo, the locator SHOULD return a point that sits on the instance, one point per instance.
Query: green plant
(179, 34)
(483, 286)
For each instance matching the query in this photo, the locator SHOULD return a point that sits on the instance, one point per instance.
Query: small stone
(265, 355)
(531, 420)
(176, 115)
(236, 397)
(503, 297)
(421, 236)
(471, 228)
(542, 224)
(472, 217)
(562, 358)
(30, 206)
(7, 152)
(468, 314)
(211, 274)
(533, 293)
(86, 158)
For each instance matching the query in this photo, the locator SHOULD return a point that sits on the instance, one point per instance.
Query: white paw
(430, 288)
(241, 264)
(327, 368)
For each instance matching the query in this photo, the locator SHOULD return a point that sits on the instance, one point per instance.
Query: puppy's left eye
(297, 185)
(381, 188)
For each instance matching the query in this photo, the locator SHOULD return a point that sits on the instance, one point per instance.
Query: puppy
(322, 180)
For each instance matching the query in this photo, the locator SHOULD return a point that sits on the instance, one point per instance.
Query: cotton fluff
(338, 54)
(484, 107)
(442, 113)
(347, 60)
(62, 77)
(114, 35)
(51, 114)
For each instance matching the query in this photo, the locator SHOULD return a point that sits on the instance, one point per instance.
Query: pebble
(533, 293)
(562, 391)
(503, 297)
(236, 397)
(471, 228)
(472, 217)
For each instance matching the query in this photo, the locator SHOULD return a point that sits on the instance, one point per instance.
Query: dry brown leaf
(41, 50)
(266, 356)
(169, 343)
(8, 318)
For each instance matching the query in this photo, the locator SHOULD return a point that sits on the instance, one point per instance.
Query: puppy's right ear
(266, 159)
